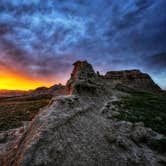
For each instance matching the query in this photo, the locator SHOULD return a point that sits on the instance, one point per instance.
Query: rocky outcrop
(133, 79)
(83, 79)
(9, 139)
(78, 129)
(73, 131)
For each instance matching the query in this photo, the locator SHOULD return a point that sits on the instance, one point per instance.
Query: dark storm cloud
(157, 61)
(45, 37)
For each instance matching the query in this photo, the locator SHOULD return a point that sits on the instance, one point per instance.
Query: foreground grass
(159, 145)
(144, 107)
(14, 111)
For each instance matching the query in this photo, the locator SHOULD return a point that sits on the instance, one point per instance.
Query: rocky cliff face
(82, 79)
(134, 79)
(78, 129)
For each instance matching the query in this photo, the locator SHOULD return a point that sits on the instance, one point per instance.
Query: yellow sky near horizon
(15, 81)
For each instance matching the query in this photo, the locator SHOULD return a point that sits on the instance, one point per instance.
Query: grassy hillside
(144, 107)
(14, 110)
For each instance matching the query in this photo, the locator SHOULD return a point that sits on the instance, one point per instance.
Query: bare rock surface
(78, 130)
(133, 79)
(10, 139)
(72, 131)
(82, 79)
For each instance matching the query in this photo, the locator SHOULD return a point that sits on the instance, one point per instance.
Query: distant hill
(10, 93)
(53, 90)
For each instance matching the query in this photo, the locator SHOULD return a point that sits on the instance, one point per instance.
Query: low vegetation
(14, 111)
(159, 145)
(144, 107)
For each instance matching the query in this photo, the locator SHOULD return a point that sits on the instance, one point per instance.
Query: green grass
(14, 111)
(144, 107)
(159, 145)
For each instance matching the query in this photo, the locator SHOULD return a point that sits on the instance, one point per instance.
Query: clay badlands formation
(80, 128)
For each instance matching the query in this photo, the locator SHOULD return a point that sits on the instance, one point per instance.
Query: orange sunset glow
(15, 81)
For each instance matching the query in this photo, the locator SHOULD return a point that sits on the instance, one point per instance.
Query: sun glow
(15, 81)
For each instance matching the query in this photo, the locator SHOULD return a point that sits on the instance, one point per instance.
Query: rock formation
(82, 79)
(133, 79)
(76, 130)
(10, 138)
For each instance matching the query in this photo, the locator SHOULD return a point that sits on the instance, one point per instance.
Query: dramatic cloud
(157, 61)
(42, 38)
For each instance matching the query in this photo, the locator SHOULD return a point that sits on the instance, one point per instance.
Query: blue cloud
(111, 34)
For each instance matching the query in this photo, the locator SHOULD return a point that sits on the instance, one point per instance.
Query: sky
(40, 39)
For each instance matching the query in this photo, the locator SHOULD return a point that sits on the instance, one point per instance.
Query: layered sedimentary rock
(134, 79)
(10, 138)
(78, 129)
(83, 79)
